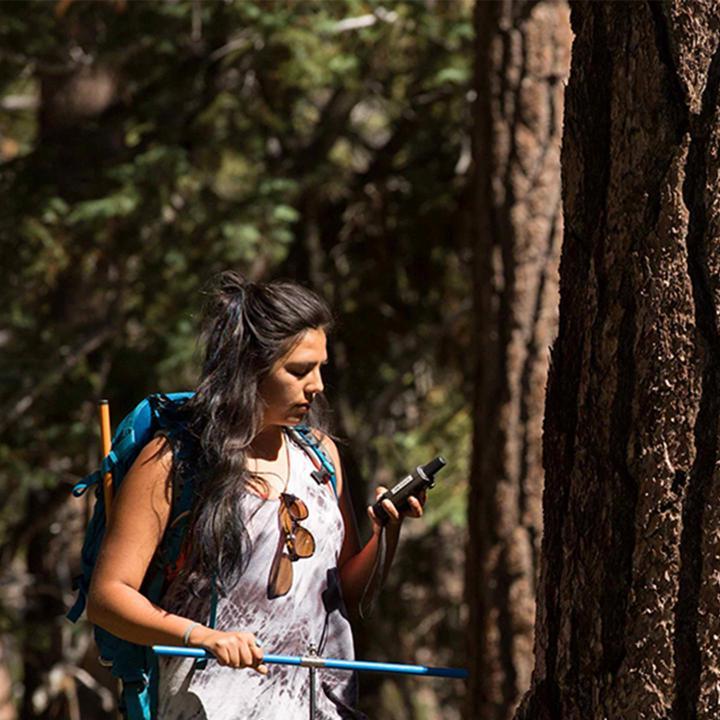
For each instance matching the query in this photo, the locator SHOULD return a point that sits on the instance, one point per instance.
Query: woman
(277, 549)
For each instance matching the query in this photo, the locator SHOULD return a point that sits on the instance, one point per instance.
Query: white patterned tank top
(311, 613)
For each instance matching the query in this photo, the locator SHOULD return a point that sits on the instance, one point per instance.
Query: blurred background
(145, 146)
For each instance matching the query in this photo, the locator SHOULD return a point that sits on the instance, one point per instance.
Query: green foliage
(160, 142)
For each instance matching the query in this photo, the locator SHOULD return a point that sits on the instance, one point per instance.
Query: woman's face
(295, 379)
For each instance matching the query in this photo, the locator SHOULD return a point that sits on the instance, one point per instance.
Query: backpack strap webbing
(324, 468)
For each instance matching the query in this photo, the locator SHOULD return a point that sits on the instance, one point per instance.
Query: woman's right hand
(234, 649)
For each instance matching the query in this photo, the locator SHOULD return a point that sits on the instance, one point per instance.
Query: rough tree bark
(629, 598)
(523, 54)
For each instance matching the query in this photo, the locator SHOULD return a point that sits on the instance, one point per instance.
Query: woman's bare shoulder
(151, 473)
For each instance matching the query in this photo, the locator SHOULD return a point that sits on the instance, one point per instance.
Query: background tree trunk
(628, 604)
(523, 54)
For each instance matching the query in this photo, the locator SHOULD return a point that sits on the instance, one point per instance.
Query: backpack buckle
(319, 477)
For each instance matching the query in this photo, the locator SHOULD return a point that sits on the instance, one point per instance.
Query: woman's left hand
(414, 509)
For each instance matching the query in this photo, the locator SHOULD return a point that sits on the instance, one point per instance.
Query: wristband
(188, 631)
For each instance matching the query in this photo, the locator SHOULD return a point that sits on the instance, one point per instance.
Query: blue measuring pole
(327, 663)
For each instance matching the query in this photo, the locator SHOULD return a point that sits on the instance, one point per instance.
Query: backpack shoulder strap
(324, 468)
(134, 431)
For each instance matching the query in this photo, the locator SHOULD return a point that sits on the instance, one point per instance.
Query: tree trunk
(523, 52)
(629, 598)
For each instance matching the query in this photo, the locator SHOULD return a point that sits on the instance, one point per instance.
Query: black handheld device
(421, 479)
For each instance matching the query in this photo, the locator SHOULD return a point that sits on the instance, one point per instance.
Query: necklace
(259, 481)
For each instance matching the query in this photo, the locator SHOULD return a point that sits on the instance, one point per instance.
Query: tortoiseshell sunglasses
(299, 543)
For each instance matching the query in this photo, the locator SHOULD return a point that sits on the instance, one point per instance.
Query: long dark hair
(247, 327)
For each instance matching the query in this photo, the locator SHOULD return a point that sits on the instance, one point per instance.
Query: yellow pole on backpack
(106, 441)
(106, 438)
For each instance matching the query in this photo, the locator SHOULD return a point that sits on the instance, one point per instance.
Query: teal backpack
(135, 665)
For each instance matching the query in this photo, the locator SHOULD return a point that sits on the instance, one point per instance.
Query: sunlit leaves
(118, 205)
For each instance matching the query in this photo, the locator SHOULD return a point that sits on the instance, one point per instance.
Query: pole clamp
(312, 660)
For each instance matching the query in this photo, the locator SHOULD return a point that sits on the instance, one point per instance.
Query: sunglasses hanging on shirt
(298, 543)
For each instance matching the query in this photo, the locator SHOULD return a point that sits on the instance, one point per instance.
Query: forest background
(404, 159)
(148, 145)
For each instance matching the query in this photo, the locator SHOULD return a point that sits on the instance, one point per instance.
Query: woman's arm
(138, 519)
(356, 563)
